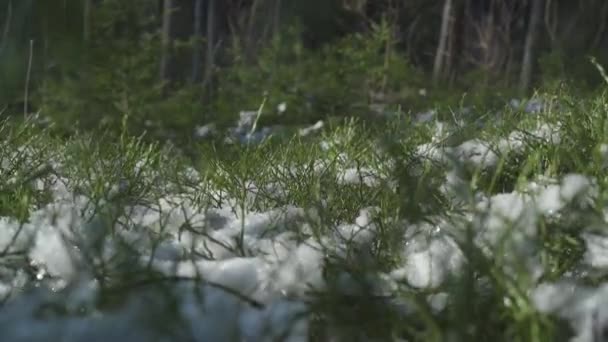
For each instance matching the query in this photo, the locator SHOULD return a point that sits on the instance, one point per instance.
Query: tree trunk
(529, 46)
(7, 27)
(276, 18)
(597, 39)
(86, 21)
(457, 37)
(166, 40)
(210, 55)
(443, 40)
(198, 33)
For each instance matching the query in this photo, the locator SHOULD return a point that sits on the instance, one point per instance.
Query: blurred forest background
(172, 64)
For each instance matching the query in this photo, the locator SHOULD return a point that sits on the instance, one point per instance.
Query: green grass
(488, 299)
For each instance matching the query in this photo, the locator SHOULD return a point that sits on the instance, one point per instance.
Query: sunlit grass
(352, 172)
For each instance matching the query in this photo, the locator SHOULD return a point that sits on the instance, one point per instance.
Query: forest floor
(455, 226)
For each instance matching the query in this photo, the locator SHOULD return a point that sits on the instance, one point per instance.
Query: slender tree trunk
(28, 76)
(457, 37)
(7, 26)
(250, 35)
(166, 41)
(86, 24)
(529, 46)
(443, 40)
(210, 54)
(597, 39)
(449, 53)
(276, 18)
(198, 33)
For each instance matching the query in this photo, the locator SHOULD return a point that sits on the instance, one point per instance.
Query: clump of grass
(152, 203)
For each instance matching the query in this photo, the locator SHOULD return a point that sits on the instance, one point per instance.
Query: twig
(259, 114)
(599, 68)
(27, 79)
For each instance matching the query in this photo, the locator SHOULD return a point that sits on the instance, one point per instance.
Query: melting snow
(249, 277)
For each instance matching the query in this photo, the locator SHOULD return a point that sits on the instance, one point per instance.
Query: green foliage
(557, 68)
(489, 297)
(24, 154)
(118, 77)
(335, 80)
(53, 32)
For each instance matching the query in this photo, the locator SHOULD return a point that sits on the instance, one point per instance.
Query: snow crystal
(548, 133)
(553, 197)
(476, 152)
(508, 214)
(515, 142)
(431, 152)
(15, 237)
(428, 264)
(242, 275)
(52, 250)
(204, 131)
(596, 254)
(585, 308)
(426, 116)
(361, 175)
(282, 107)
(549, 200)
(302, 270)
(574, 185)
